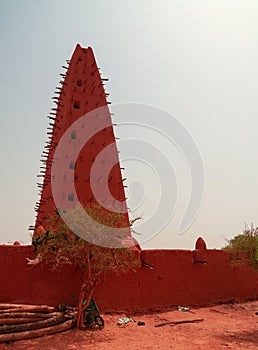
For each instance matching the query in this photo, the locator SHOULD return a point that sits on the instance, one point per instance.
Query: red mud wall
(82, 115)
(176, 280)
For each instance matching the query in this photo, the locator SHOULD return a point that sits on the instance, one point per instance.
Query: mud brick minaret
(80, 93)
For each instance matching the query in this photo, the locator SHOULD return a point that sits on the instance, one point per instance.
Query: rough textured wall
(177, 279)
(81, 93)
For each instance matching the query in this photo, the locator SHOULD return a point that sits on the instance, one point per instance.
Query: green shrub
(243, 248)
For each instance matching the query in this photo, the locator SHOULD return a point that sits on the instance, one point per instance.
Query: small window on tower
(74, 135)
(72, 165)
(70, 197)
(76, 105)
(79, 82)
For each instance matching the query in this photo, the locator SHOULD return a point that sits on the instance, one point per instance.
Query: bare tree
(60, 246)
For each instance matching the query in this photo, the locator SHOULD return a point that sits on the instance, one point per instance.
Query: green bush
(243, 248)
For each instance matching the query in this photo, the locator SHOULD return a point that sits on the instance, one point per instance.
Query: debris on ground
(173, 323)
(125, 320)
(184, 309)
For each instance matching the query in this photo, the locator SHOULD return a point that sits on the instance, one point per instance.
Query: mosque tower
(81, 109)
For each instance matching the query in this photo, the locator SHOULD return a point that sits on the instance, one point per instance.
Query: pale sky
(197, 60)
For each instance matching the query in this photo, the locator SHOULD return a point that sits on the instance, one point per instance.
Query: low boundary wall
(179, 277)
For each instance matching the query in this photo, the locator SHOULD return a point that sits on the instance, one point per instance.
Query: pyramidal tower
(80, 160)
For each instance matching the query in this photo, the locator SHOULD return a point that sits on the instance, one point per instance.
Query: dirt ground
(225, 326)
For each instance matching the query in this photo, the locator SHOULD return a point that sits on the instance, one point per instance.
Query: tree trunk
(29, 308)
(84, 307)
(27, 315)
(91, 281)
(81, 299)
(36, 332)
(10, 305)
(33, 325)
(18, 320)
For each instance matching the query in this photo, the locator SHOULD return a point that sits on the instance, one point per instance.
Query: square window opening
(72, 165)
(74, 135)
(71, 197)
(76, 105)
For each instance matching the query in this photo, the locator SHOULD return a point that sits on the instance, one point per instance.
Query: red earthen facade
(179, 277)
(175, 280)
(81, 93)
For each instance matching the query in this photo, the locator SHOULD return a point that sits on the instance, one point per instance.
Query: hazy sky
(197, 60)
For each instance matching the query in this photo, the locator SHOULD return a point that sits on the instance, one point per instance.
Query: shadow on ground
(69, 340)
(241, 338)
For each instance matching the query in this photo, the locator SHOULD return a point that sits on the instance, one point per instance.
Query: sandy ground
(225, 326)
